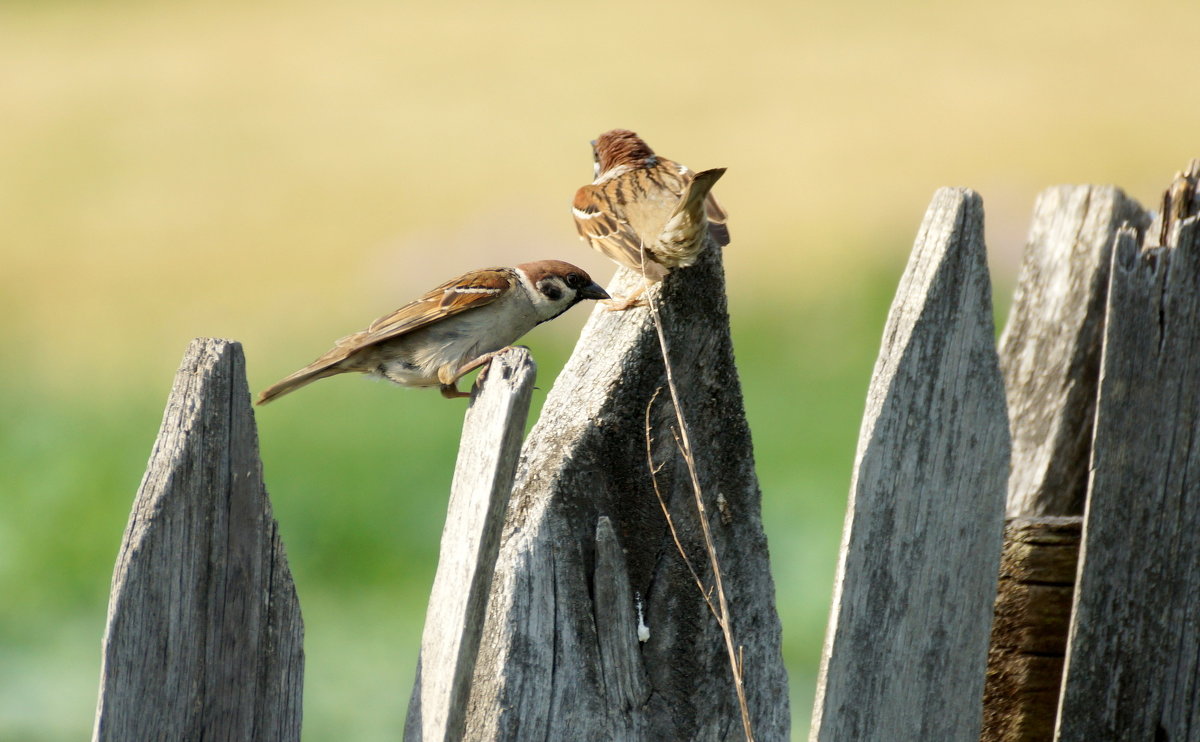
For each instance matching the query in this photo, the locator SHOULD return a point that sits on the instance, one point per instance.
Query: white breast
(455, 341)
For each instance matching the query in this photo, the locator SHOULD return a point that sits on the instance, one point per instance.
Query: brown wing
(605, 230)
(470, 291)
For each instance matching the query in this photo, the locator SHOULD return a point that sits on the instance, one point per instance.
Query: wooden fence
(1046, 484)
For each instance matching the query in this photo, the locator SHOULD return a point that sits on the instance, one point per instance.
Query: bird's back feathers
(658, 205)
(471, 291)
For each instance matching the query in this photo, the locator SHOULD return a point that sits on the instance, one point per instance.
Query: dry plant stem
(705, 593)
(685, 448)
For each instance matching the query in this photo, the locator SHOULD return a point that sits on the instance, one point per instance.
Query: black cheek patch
(550, 290)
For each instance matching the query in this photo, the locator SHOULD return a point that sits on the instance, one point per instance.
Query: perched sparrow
(644, 211)
(453, 329)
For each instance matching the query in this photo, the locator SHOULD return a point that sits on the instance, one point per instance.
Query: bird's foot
(621, 305)
(629, 302)
(484, 360)
(451, 391)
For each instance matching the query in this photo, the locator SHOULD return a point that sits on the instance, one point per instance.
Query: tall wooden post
(595, 627)
(204, 637)
(912, 607)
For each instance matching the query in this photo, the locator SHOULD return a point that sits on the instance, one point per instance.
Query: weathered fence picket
(204, 637)
(549, 656)
(1050, 348)
(1133, 660)
(908, 633)
(491, 440)
(1050, 358)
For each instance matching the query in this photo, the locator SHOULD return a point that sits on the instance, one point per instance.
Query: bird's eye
(574, 280)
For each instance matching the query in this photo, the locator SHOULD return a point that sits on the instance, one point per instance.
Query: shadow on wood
(1029, 635)
(204, 636)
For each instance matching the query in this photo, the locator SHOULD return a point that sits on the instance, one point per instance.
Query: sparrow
(646, 212)
(453, 329)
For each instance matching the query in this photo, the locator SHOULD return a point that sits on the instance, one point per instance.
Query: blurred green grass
(282, 172)
(359, 475)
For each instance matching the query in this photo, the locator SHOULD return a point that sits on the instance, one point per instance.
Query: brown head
(558, 286)
(621, 147)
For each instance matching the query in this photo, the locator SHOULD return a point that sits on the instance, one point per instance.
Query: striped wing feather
(470, 291)
(607, 226)
(603, 230)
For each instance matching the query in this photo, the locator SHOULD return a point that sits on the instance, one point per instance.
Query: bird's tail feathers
(717, 229)
(682, 237)
(692, 200)
(303, 377)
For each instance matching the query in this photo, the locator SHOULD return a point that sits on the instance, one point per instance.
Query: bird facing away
(453, 329)
(644, 211)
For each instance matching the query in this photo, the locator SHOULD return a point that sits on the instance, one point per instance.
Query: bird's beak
(593, 291)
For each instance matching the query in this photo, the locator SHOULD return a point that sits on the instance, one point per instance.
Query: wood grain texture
(907, 642)
(555, 663)
(204, 638)
(487, 458)
(625, 684)
(1029, 634)
(1134, 654)
(1050, 348)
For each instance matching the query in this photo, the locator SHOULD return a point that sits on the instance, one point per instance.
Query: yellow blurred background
(281, 173)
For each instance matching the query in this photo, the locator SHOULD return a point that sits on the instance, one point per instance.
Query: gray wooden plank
(907, 642)
(204, 637)
(1050, 348)
(1134, 652)
(542, 671)
(487, 457)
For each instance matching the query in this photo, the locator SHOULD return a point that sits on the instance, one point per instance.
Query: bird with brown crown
(453, 329)
(646, 212)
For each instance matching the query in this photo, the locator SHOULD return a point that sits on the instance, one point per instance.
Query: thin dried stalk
(704, 592)
(683, 441)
